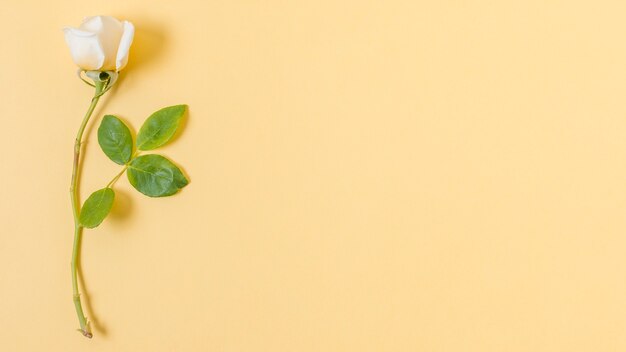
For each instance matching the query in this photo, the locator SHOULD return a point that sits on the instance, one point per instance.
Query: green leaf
(115, 139)
(96, 208)
(160, 127)
(155, 176)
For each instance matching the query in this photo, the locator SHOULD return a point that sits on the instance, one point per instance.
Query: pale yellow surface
(365, 176)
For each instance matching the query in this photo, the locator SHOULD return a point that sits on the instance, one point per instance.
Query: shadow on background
(122, 207)
(149, 42)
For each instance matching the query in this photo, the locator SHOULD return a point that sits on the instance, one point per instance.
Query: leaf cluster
(151, 174)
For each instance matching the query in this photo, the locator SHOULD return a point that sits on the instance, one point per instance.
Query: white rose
(101, 43)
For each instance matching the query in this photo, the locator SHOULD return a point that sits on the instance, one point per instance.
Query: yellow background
(365, 176)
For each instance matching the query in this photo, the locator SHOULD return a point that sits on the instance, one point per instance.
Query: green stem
(84, 324)
(123, 170)
(117, 176)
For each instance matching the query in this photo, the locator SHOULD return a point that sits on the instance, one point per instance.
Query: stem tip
(86, 333)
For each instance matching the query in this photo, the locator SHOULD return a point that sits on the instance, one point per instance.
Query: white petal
(91, 24)
(125, 42)
(109, 31)
(85, 48)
